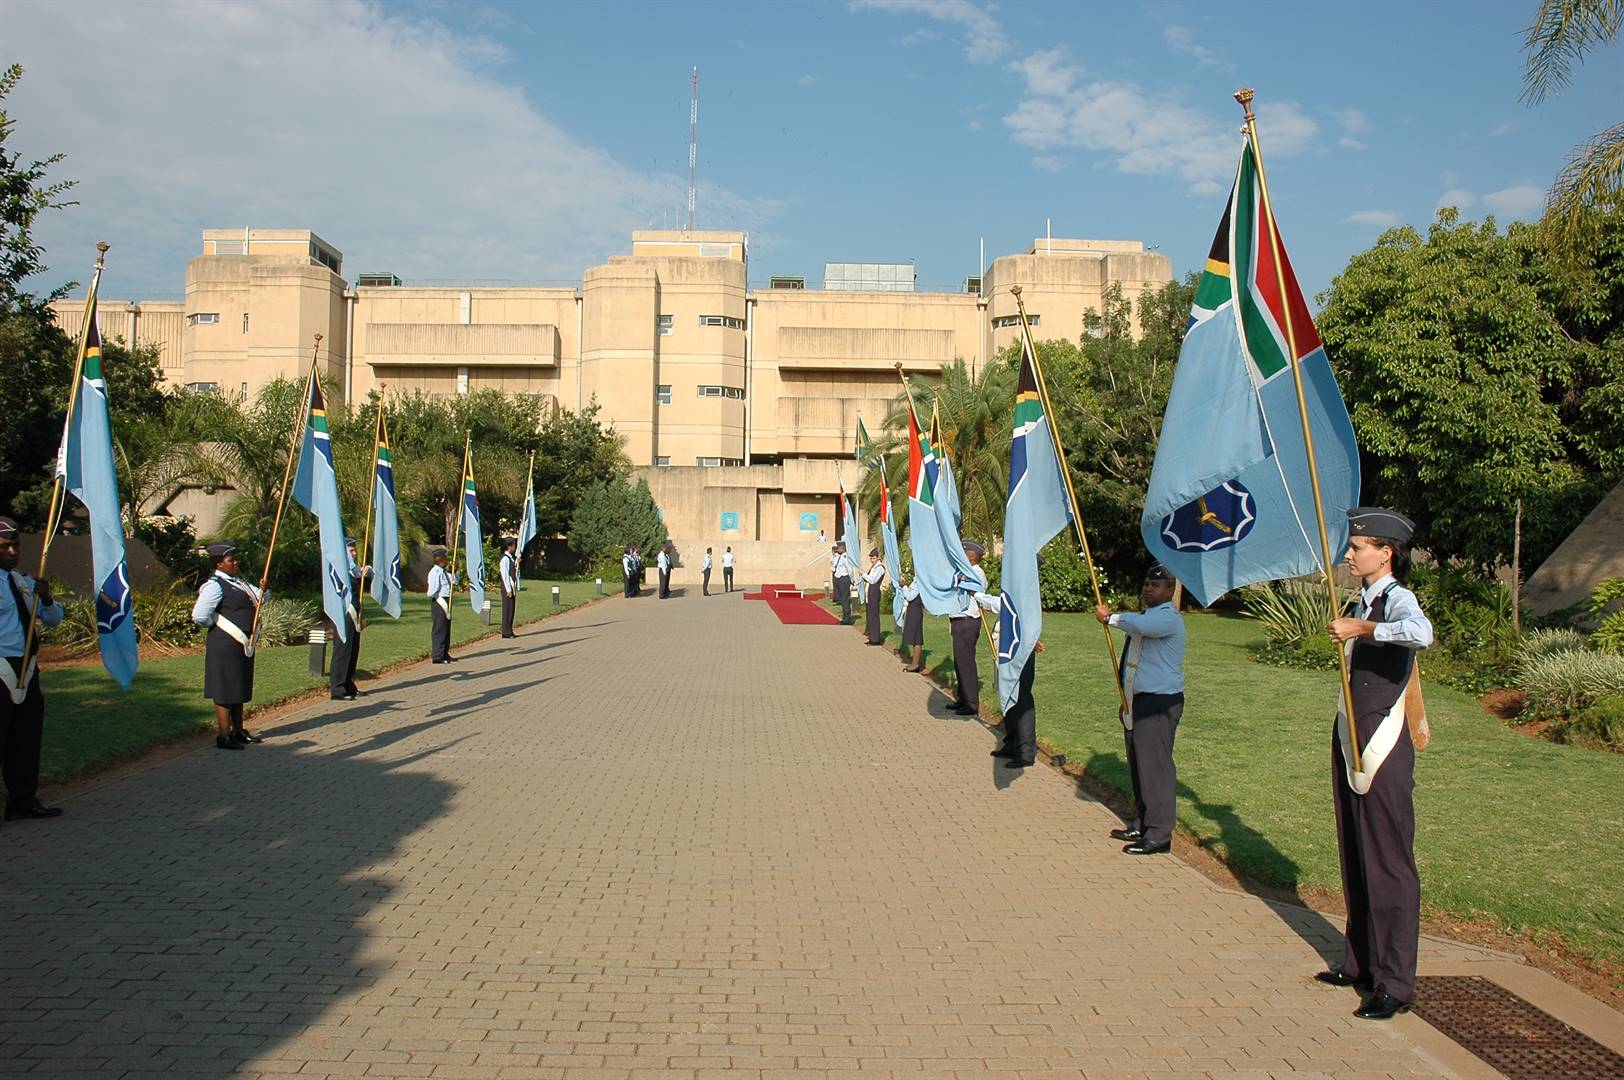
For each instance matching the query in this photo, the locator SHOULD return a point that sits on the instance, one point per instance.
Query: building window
(733, 392)
(203, 318)
(245, 391)
(721, 320)
(663, 462)
(663, 324)
(1003, 321)
(245, 322)
(662, 394)
(717, 462)
(202, 387)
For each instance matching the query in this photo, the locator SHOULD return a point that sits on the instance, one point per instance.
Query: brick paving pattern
(645, 840)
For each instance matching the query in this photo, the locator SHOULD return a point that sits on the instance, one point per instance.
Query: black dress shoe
(440, 661)
(1337, 977)
(35, 809)
(1129, 835)
(1001, 752)
(226, 742)
(1144, 847)
(247, 736)
(1381, 1006)
(1017, 763)
(965, 710)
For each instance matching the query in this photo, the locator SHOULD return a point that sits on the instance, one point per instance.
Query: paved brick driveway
(644, 840)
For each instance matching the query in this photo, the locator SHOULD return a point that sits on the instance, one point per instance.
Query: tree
(1467, 390)
(614, 513)
(1562, 34)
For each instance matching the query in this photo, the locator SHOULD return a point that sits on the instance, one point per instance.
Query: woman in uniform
(226, 605)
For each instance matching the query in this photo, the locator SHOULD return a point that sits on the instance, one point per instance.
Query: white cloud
(1047, 162)
(392, 137)
(1458, 197)
(1182, 39)
(1353, 121)
(1380, 219)
(1145, 132)
(976, 125)
(1351, 143)
(1521, 203)
(985, 38)
(808, 80)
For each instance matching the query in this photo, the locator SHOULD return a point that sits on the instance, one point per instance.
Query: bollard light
(555, 592)
(600, 585)
(318, 651)
(485, 613)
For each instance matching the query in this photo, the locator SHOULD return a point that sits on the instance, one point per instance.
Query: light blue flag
(474, 541)
(893, 554)
(848, 524)
(315, 487)
(1037, 509)
(1230, 500)
(386, 588)
(527, 520)
(86, 465)
(947, 523)
(936, 570)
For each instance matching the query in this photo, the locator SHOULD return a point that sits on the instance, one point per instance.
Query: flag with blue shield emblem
(933, 533)
(315, 487)
(85, 465)
(1230, 500)
(473, 538)
(1037, 509)
(386, 589)
(893, 554)
(527, 519)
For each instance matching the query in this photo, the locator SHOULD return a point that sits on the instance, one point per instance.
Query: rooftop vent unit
(972, 284)
(382, 280)
(786, 283)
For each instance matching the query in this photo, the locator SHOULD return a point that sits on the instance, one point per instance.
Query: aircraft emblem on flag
(113, 601)
(1221, 517)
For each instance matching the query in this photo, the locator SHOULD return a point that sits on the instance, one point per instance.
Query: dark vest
(238, 606)
(1378, 672)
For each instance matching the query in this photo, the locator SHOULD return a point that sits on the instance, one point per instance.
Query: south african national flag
(1230, 501)
(315, 487)
(1037, 509)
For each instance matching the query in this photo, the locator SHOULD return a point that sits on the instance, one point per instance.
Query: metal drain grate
(1519, 1040)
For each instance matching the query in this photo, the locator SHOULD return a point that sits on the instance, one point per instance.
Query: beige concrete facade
(736, 403)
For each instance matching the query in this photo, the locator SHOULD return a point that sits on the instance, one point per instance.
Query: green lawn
(90, 722)
(1520, 830)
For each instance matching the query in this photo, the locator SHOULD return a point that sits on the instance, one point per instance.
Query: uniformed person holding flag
(439, 590)
(22, 722)
(509, 567)
(873, 578)
(1375, 807)
(965, 629)
(226, 604)
(346, 654)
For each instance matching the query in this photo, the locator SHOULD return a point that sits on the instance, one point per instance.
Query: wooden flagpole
(1244, 97)
(59, 498)
(1071, 492)
(462, 497)
(372, 496)
(282, 500)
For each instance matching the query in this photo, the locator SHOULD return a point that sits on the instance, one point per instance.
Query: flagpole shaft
(282, 499)
(59, 498)
(462, 497)
(1244, 97)
(366, 531)
(1071, 493)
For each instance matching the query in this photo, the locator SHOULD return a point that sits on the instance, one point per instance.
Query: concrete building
(736, 404)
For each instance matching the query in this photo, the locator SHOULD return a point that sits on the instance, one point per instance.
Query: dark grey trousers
(727, 578)
(346, 654)
(440, 632)
(1021, 722)
(509, 602)
(704, 585)
(966, 633)
(1375, 835)
(22, 730)
(1150, 764)
(843, 598)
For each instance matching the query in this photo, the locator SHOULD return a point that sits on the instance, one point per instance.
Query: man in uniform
(227, 605)
(1375, 808)
(637, 570)
(1019, 744)
(873, 577)
(840, 576)
(509, 568)
(22, 722)
(626, 571)
(662, 562)
(965, 628)
(1152, 676)
(704, 574)
(727, 570)
(346, 654)
(439, 590)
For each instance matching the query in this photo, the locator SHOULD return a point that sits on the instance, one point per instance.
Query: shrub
(1559, 685)
(1600, 722)
(163, 618)
(1290, 612)
(1609, 636)
(1312, 654)
(285, 621)
(1538, 644)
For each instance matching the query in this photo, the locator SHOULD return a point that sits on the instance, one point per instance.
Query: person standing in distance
(1375, 808)
(913, 628)
(509, 567)
(22, 723)
(663, 563)
(626, 571)
(347, 654)
(873, 578)
(1152, 674)
(704, 570)
(226, 605)
(439, 590)
(965, 627)
(840, 575)
(727, 570)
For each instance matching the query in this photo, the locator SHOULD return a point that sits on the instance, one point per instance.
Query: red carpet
(795, 610)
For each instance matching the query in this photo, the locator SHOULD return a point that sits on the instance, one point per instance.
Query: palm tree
(1562, 34)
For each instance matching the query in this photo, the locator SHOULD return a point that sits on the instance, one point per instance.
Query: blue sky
(506, 142)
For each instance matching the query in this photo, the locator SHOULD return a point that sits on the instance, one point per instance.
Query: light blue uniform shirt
(1404, 622)
(439, 583)
(1161, 648)
(11, 622)
(210, 593)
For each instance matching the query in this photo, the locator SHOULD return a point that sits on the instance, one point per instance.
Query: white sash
(1130, 669)
(445, 605)
(235, 632)
(1376, 750)
(18, 691)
